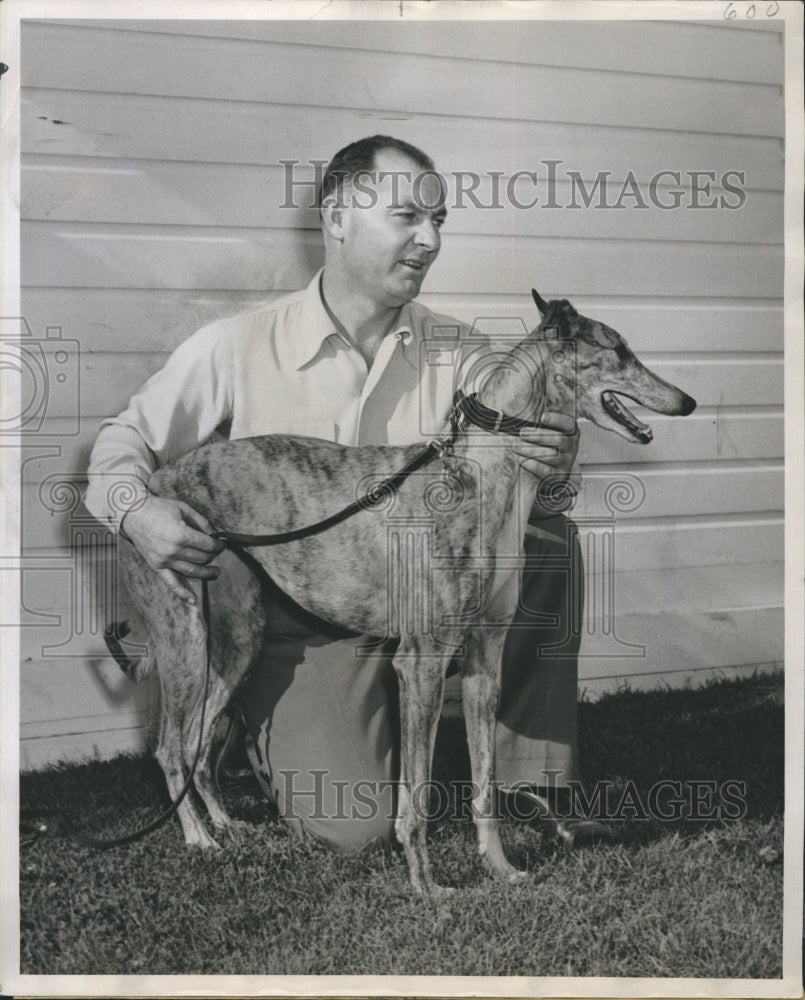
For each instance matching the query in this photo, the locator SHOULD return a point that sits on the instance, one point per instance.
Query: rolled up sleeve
(177, 410)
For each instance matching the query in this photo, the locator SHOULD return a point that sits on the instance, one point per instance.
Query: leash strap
(465, 409)
(373, 498)
(129, 838)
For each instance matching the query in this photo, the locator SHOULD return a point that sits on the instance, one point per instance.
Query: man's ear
(332, 218)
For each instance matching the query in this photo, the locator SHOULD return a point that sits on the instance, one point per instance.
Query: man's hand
(551, 449)
(174, 540)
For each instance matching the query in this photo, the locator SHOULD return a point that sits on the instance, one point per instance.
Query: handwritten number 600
(730, 13)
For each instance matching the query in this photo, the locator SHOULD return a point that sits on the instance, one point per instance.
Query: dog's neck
(530, 380)
(518, 388)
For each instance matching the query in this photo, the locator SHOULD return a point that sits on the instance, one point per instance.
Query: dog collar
(488, 419)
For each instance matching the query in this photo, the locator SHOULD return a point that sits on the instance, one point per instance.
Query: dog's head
(589, 365)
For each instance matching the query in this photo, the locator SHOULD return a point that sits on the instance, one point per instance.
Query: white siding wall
(151, 194)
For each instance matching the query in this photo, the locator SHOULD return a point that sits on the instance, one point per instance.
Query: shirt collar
(403, 330)
(316, 327)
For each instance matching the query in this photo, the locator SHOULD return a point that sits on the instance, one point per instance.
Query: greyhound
(464, 509)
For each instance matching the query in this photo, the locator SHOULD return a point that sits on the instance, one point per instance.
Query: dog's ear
(541, 304)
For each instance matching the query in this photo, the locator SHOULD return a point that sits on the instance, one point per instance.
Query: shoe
(235, 778)
(570, 832)
(232, 770)
(583, 832)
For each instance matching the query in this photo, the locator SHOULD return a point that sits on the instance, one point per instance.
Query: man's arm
(175, 411)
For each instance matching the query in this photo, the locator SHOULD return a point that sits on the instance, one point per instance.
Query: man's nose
(427, 236)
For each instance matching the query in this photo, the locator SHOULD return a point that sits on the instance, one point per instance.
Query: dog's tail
(135, 668)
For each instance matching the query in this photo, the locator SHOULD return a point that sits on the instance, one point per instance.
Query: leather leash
(466, 409)
(371, 499)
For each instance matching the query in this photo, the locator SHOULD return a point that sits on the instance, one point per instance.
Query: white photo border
(11, 981)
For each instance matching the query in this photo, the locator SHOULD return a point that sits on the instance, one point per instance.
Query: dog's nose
(688, 405)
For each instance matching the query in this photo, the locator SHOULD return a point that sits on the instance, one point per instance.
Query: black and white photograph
(402, 461)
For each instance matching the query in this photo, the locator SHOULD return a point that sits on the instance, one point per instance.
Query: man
(342, 360)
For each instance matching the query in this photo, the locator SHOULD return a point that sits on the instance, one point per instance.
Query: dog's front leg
(421, 675)
(480, 687)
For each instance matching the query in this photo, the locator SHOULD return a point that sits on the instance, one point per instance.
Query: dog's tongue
(617, 410)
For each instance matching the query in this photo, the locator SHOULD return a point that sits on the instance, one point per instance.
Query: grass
(678, 898)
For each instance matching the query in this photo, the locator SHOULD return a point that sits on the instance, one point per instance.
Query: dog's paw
(200, 838)
(440, 893)
(517, 876)
(430, 890)
(235, 827)
(504, 871)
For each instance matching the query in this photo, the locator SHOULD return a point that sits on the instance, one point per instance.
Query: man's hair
(359, 158)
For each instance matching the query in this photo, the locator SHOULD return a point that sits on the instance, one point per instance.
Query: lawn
(676, 897)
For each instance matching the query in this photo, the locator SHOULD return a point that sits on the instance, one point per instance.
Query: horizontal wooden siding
(152, 203)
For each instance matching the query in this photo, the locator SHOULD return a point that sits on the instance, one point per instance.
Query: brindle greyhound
(464, 585)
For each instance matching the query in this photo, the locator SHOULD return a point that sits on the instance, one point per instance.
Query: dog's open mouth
(615, 408)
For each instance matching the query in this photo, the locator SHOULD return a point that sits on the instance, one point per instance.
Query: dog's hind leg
(420, 668)
(181, 692)
(480, 687)
(218, 697)
(237, 626)
(177, 647)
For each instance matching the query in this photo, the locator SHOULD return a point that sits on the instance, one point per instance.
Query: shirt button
(399, 336)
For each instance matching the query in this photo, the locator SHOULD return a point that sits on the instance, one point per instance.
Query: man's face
(391, 229)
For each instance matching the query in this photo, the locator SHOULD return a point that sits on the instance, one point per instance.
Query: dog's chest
(509, 554)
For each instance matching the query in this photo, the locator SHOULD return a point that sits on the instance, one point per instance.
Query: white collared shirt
(281, 369)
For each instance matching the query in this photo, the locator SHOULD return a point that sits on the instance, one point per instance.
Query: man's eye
(438, 223)
(405, 215)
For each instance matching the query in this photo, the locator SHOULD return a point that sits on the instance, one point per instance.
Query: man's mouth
(416, 265)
